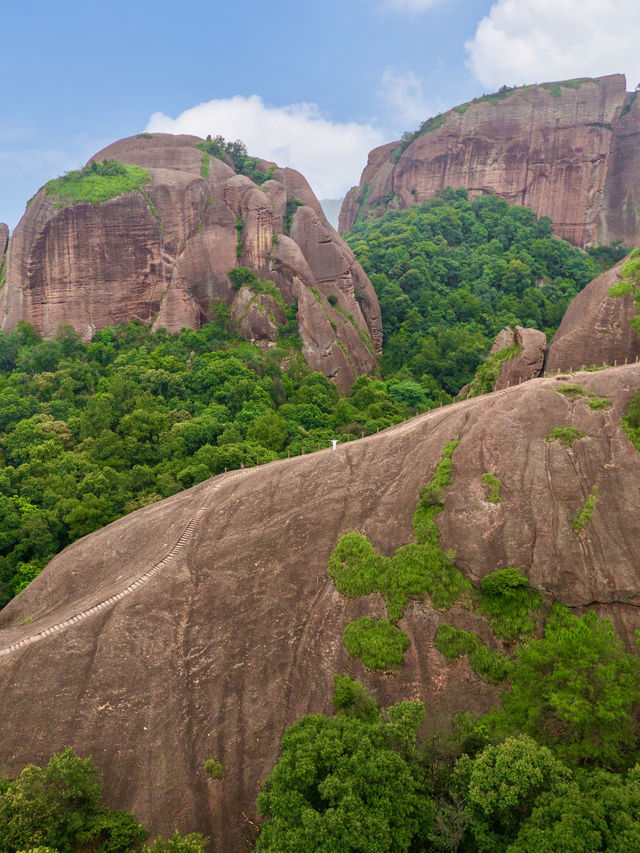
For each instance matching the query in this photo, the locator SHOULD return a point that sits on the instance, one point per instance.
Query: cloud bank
(529, 41)
(329, 154)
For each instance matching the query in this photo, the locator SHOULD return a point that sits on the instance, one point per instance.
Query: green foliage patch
(451, 273)
(571, 391)
(97, 183)
(487, 374)
(507, 599)
(346, 783)
(379, 644)
(454, 643)
(582, 518)
(494, 484)
(292, 205)
(631, 422)
(567, 435)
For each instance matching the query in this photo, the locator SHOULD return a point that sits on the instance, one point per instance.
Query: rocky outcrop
(239, 632)
(595, 329)
(4, 241)
(528, 361)
(570, 151)
(160, 254)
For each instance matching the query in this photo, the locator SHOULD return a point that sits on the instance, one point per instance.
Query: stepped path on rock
(203, 625)
(216, 484)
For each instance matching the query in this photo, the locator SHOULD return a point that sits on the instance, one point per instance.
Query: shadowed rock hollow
(240, 631)
(568, 150)
(161, 253)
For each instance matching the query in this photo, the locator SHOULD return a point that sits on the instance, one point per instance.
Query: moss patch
(97, 183)
(379, 644)
(567, 436)
(453, 643)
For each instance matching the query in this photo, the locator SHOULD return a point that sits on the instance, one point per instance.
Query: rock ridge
(568, 150)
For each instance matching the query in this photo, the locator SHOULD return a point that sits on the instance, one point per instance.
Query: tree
(340, 786)
(575, 690)
(59, 806)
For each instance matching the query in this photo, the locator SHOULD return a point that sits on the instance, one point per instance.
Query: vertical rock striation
(569, 150)
(161, 254)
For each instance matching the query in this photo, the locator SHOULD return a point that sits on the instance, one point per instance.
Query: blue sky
(314, 85)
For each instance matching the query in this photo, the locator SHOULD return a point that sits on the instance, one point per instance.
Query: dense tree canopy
(450, 273)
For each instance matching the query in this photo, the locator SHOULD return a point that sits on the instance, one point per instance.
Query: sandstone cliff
(212, 650)
(4, 245)
(570, 151)
(161, 254)
(596, 328)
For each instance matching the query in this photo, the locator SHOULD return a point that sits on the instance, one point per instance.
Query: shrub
(567, 436)
(379, 644)
(430, 502)
(571, 391)
(494, 487)
(454, 643)
(97, 183)
(582, 518)
(213, 769)
(506, 598)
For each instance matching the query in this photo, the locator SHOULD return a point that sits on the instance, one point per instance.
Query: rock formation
(4, 244)
(239, 631)
(569, 150)
(161, 254)
(595, 329)
(527, 363)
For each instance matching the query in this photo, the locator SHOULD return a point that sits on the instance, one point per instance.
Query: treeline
(554, 769)
(450, 273)
(89, 432)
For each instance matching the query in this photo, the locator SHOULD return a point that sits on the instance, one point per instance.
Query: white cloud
(329, 154)
(528, 41)
(403, 97)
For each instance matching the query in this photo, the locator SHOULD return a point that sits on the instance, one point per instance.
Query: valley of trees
(450, 273)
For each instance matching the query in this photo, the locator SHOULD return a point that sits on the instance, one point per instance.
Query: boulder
(161, 253)
(527, 363)
(595, 329)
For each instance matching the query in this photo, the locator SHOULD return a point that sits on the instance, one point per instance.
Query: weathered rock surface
(4, 240)
(595, 329)
(570, 152)
(161, 255)
(241, 633)
(528, 363)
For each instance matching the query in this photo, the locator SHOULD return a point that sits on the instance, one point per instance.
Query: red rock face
(572, 154)
(595, 329)
(161, 255)
(240, 633)
(528, 363)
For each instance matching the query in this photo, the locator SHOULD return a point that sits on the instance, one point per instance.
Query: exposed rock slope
(596, 329)
(568, 150)
(161, 254)
(239, 632)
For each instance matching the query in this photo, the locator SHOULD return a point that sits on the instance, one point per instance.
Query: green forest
(450, 273)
